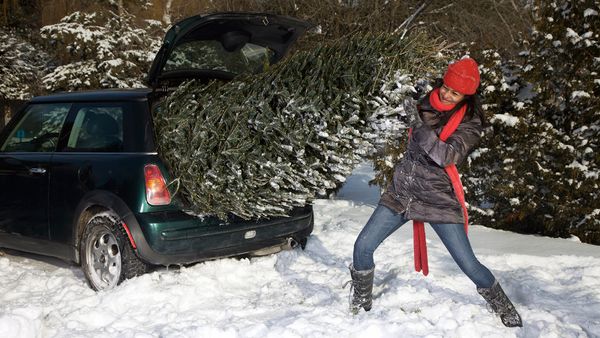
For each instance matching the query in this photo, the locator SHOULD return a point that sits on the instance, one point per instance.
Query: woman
(426, 188)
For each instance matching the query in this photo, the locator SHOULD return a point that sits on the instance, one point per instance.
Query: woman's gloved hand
(410, 108)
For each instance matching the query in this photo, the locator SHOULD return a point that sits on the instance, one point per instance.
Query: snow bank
(554, 283)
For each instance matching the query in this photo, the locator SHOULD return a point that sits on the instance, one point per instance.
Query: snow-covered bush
(539, 166)
(21, 65)
(100, 50)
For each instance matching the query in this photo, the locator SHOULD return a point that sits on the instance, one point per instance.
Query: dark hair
(473, 103)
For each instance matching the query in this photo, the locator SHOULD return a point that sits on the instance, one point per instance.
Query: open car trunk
(221, 46)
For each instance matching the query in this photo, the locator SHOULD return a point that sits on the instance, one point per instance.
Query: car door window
(38, 130)
(97, 129)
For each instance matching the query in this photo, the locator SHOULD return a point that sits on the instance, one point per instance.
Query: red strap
(419, 242)
(420, 247)
(417, 245)
(459, 192)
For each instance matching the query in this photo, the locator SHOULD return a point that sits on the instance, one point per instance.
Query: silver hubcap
(103, 259)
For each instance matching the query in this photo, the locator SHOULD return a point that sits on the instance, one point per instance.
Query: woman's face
(449, 95)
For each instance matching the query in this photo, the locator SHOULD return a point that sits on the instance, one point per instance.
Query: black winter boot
(501, 305)
(362, 283)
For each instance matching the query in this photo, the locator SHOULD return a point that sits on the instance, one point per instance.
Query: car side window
(97, 129)
(38, 130)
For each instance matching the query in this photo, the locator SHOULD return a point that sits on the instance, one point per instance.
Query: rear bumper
(176, 238)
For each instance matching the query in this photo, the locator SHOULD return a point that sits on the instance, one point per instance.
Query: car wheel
(107, 257)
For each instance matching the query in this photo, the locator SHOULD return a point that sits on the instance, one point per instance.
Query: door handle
(37, 171)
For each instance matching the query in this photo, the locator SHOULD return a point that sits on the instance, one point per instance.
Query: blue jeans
(384, 222)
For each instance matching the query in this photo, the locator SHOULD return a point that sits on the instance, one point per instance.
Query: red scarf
(420, 245)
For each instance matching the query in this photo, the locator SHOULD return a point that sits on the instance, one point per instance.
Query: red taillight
(156, 188)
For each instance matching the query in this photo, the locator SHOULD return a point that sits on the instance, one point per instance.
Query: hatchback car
(81, 178)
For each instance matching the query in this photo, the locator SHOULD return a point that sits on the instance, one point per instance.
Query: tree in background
(21, 65)
(539, 165)
(19, 14)
(100, 50)
(564, 65)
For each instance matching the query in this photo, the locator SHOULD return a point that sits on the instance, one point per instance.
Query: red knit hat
(463, 76)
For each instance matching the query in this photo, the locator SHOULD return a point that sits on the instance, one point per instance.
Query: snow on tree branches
(100, 50)
(261, 144)
(538, 170)
(21, 65)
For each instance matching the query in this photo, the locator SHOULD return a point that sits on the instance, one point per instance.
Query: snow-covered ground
(554, 283)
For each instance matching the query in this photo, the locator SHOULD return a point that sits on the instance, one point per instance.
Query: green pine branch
(261, 144)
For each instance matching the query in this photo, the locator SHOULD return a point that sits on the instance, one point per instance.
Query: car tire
(107, 258)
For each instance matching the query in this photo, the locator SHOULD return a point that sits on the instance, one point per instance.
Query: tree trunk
(121, 10)
(2, 109)
(167, 13)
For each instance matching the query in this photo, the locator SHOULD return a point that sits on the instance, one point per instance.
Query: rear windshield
(210, 55)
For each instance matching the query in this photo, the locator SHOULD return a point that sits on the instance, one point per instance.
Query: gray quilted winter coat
(421, 189)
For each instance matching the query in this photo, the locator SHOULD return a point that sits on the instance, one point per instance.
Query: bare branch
(512, 38)
(441, 9)
(407, 22)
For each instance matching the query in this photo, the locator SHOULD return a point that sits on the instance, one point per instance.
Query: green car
(81, 178)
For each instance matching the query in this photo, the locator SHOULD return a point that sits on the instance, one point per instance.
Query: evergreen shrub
(538, 169)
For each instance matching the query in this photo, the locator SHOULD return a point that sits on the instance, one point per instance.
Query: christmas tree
(261, 144)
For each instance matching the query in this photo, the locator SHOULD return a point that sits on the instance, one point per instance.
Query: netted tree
(261, 144)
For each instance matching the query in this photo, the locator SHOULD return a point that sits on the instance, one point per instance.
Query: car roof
(95, 95)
